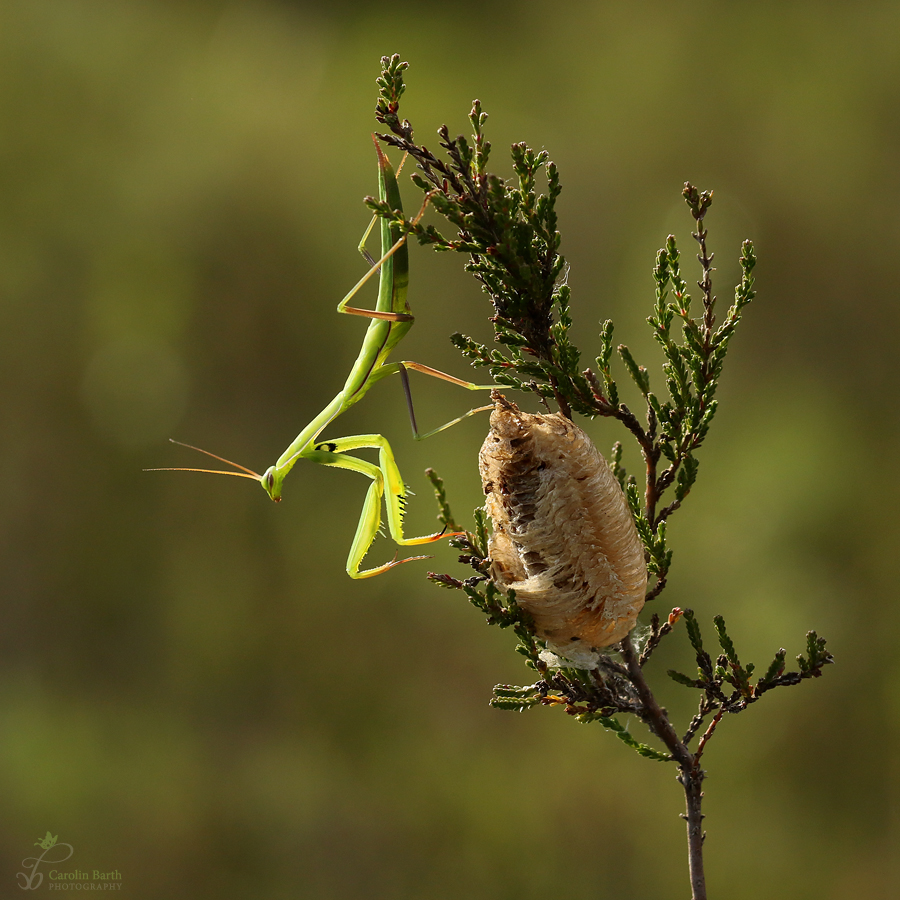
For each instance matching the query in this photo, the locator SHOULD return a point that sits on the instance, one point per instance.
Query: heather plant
(507, 233)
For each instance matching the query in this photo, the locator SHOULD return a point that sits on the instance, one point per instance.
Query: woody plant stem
(690, 775)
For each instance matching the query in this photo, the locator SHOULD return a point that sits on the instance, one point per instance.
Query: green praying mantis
(389, 322)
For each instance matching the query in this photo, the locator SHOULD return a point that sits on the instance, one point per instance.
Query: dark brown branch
(690, 775)
(654, 715)
(658, 588)
(707, 705)
(665, 513)
(692, 780)
(707, 735)
(657, 633)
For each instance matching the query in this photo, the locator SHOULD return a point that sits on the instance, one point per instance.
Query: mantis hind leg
(436, 373)
(401, 369)
(386, 484)
(393, 269)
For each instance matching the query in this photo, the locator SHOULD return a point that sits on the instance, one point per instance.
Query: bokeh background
(191, 689)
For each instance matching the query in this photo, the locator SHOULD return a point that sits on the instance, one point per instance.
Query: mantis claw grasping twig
(389, 323)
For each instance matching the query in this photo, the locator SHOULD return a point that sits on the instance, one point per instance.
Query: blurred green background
(192, 690)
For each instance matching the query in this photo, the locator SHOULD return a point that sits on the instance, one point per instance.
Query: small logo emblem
(47, 842)
(31, 879)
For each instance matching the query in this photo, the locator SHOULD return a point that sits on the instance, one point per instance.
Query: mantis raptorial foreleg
(386, 482)
(388, 323)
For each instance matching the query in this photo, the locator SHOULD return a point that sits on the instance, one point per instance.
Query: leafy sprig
(508, 232)
(728, 686)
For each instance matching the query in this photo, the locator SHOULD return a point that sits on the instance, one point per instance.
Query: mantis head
(271, 483)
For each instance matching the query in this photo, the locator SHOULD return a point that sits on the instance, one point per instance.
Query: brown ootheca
(563, 537)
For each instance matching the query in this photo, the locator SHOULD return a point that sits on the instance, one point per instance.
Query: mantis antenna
(245, 473)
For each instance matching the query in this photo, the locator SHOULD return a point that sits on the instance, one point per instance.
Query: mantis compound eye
(563, 538)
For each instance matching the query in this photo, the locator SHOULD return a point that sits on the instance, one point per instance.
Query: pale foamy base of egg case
(563, 538)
